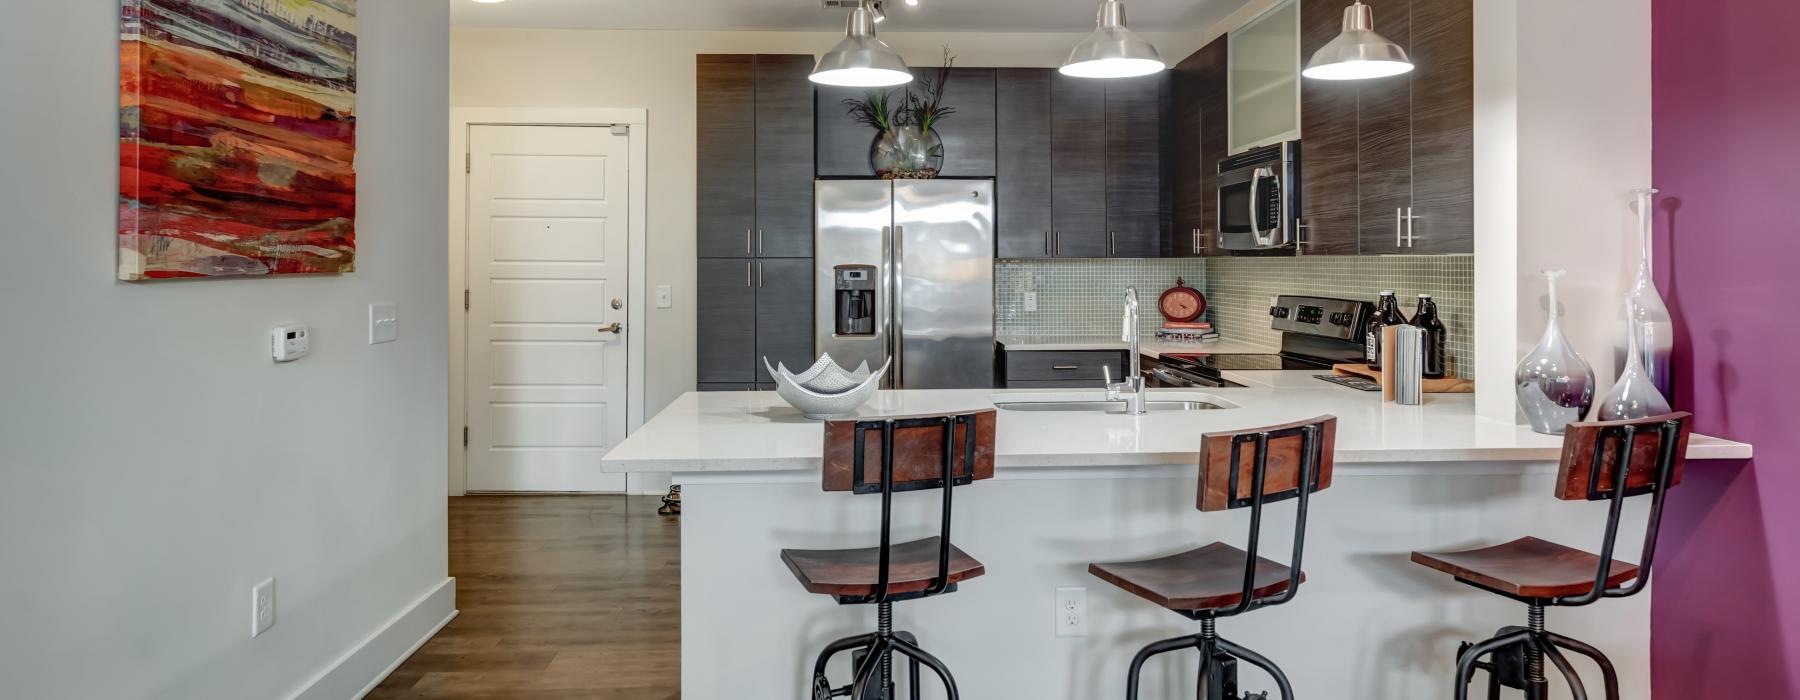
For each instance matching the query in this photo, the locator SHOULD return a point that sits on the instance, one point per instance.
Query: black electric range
(1316, 333)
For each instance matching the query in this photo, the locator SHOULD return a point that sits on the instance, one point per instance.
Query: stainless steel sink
(1108, 406)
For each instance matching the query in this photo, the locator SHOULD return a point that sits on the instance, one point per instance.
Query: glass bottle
(1436, 337)
(1634, 396)
(1647, 308)
(1554, 385)
(1387, 313)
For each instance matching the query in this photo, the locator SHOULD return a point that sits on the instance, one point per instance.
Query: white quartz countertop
(757, 431)
(1148, 346)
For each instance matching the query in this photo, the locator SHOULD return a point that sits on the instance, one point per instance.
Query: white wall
(157, 464)
(654, 70)
(1563, 136)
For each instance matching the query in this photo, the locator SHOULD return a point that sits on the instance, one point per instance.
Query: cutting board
(1447, 385)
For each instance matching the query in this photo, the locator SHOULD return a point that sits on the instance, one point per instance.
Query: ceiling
(930, 15)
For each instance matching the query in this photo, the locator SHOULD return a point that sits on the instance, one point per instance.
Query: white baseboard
(362, 668)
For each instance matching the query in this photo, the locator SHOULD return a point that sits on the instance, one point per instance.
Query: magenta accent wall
(1726, 608)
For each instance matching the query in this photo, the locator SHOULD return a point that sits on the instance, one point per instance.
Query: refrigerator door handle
(899, 319)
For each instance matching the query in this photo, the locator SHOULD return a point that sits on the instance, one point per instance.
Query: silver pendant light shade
(1358, 53)
(861, 60)
(1113, 51)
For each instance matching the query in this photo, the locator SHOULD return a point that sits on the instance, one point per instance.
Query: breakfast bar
(1073, 487)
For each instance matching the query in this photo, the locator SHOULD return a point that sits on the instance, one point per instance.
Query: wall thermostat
(290, 342)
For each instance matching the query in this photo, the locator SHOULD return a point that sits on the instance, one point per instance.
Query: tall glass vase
(1555, 386)
(1647, 310)
(1634, 396)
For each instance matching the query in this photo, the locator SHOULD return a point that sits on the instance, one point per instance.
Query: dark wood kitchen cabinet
(784, 314)
(1134, 173)
(755, 154)
(1024, 182)
(968, 135)
(1199, 137)
(754, 211)
(1078, 163)
(1387, 164)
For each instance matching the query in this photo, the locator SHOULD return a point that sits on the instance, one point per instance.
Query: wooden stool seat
(1208, 578)
(856, 572)
(1528, 568)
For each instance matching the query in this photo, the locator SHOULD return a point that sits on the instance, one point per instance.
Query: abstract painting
(237, 130)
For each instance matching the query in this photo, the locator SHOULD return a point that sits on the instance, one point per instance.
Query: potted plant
(906, 145)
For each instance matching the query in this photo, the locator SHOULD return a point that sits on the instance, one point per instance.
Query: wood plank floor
(560, 597)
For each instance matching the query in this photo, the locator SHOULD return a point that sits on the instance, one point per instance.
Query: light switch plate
(384, 322)
(665, 297)
(1031, 300)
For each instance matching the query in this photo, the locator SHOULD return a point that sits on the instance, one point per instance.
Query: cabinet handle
(1400, 227)
(747, 273)
(748, 250)
(1055, 244)
(1411, 220)
(1300, 228)
(1196, 241)
(1047, 251)
(759, 241)
(1112, 242)
(759, 274)
(1065, 368)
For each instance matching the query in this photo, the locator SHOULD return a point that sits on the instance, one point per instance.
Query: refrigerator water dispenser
(855, 286)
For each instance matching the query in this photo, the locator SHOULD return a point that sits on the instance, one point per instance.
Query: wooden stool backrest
(1225, 485)
(1592, 451)
(918, 451)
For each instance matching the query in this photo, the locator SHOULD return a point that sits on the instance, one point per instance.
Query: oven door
(1169, 377)
(1250, 207)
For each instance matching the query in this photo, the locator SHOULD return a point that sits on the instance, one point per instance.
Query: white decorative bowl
(825, 376)
(819, 405)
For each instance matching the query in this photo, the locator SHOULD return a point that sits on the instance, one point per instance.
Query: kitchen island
(1078, 487)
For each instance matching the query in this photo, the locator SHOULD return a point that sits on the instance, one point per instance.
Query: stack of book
(1179, 332)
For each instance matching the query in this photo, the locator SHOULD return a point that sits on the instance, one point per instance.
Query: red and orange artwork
(237, 138)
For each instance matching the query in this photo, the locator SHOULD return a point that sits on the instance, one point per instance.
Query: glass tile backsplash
(1081, 298)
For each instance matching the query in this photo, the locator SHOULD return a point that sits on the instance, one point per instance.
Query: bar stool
(1247, 469)
(888, 456)
(1541, 574)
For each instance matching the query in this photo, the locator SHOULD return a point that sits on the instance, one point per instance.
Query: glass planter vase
(1635, 396)
(1554, 385)
(907, 153)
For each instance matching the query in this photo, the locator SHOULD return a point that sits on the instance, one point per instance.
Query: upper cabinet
(968, 135)
(1265, 79)
(1080, 165)
(755, 145)
(1197, 140)
(1388, 163)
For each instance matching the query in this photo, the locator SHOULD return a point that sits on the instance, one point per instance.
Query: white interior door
(547, 366)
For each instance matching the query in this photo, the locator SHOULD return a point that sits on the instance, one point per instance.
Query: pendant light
(861, 60)
(1358, 53)
(1113, 51)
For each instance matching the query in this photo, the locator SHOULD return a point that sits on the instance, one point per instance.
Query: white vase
(1634, 397)
(1647, 314)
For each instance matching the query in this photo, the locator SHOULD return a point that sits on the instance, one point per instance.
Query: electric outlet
(262, 611)
(665, 297)
(1071, 612)
(1031, 300)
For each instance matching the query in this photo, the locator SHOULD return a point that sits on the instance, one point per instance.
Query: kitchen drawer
(1058, 384)
(1061, 365)
(726, 386)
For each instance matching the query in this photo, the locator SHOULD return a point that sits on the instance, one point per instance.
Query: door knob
(614, 329)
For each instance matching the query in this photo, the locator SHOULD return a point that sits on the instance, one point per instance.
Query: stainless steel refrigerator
(905, 270)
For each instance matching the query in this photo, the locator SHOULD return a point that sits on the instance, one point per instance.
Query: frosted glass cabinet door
(1265, 79)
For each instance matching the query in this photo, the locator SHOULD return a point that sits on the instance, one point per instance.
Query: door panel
(968, 134)
(725, 295)
(844, 144)
(548, 212)
(1078, 152)
(784, 314)
(784, 157)
(1443, 122)
(943, 230)
(1134, 192)
(1023, 190)
(1384, 151)
(726, 214)
(1329, 204)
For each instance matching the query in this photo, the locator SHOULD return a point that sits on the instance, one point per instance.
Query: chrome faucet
(1131, 390)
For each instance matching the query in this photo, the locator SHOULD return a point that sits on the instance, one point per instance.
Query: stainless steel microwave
(1259, 198)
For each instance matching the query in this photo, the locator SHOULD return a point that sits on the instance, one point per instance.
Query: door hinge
(465, 300)
(468, 163)
(621, 129)
(465, 436)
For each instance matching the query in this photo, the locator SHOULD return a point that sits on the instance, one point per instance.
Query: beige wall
(654, 70)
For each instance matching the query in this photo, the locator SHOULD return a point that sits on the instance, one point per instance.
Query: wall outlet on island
(1071, 612)
(262, 607)
(1031, 300)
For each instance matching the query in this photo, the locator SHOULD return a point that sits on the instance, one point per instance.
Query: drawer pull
(1065, 368)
